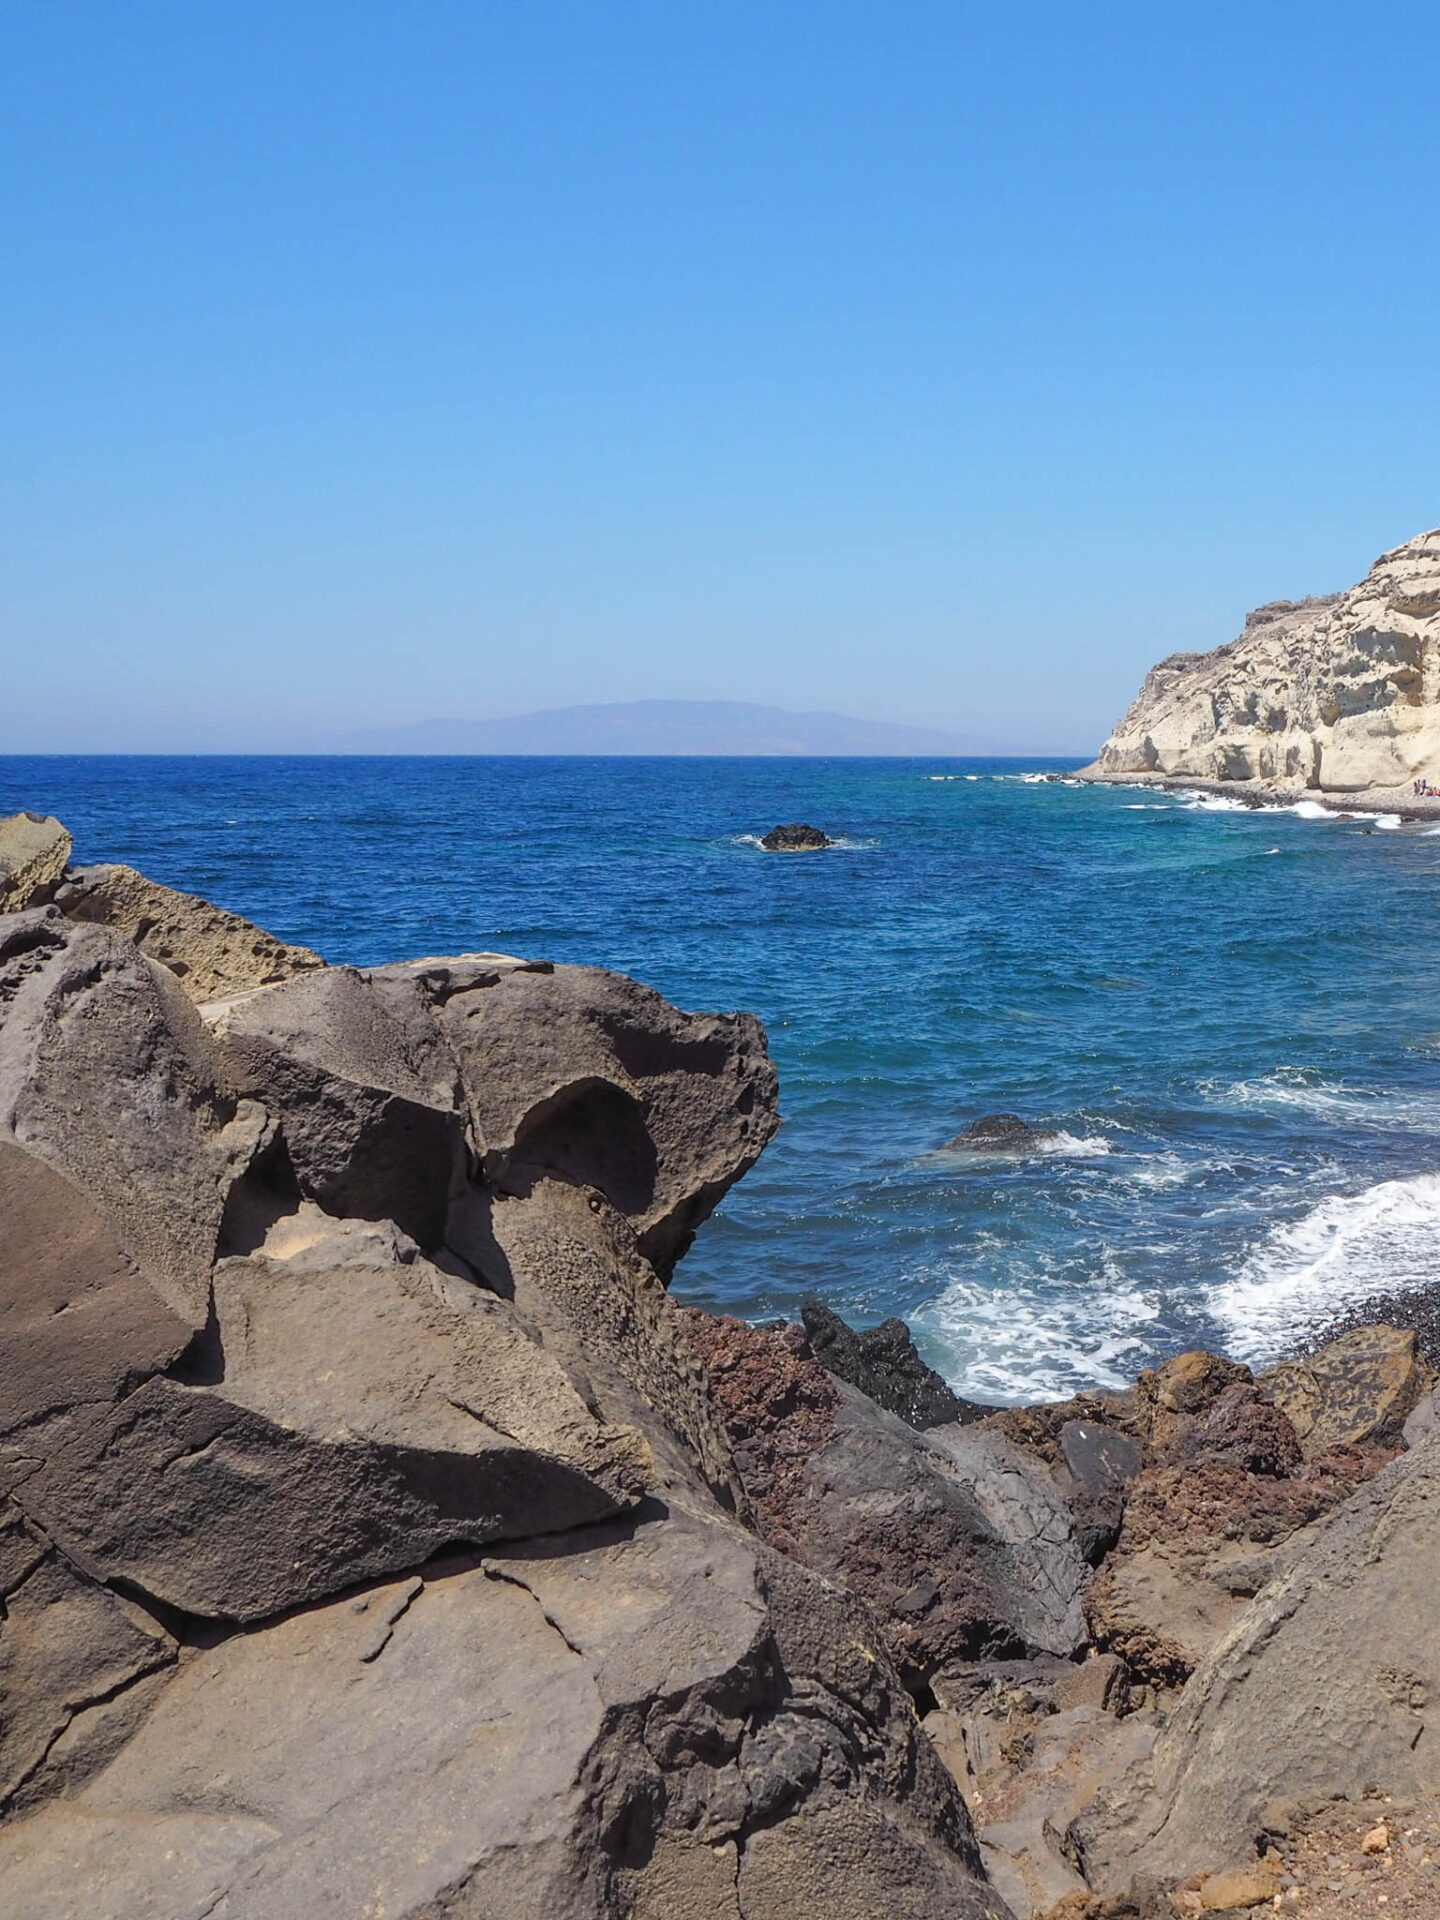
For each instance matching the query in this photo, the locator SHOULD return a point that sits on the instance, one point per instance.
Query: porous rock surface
(369, 1539)
(1338, 694)
(1324, 1686)
(34, 849)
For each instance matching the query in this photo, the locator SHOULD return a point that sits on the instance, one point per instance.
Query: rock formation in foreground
(376, 1537)
(1337, 695)
(369, 1542)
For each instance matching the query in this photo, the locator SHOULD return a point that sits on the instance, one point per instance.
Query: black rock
(1096, 1465)
(796, 838)
(1001, 1133)
(882, 1362)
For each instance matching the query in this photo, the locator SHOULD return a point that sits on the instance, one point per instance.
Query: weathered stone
(1096, 1463)
(34, 848)
(1324, 1685)
(213, 952)
(78, 1322)
(108, 1076)
(1239, 1889)
(370, 1121)
(960, 1544)
(356, 1430)
(883, 1363)
(601, 1726)
(65, 1645)
(1358, 1390)
(590, 1076)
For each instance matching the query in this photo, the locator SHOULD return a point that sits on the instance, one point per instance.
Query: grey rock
(108, 1076)
(79, 1323)
(1001, 1133)
(961, 1544)
(370, 1120)
(1324, 1684)
(1419, 1421)
(883, 1363)
(34, 849)
(647, 1720)
(1096, 1464)
(595, 1078)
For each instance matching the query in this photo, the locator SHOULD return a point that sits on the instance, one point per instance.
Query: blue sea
(1229, 1018)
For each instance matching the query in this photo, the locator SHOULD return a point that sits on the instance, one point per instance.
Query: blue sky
(939, 363)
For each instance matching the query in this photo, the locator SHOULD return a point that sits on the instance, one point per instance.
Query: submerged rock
(795, 838)
(883, 1363)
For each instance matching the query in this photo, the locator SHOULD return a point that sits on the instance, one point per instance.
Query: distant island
(671, 727)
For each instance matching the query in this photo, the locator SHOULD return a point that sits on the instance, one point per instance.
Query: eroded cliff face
(1340, 694)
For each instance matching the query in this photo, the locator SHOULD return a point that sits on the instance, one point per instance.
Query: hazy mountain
(669, 726)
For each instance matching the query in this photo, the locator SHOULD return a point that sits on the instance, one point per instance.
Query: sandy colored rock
(1338, 694)
(34, 849)
(211, 951)
(1238, 1890)
(1357, 1390)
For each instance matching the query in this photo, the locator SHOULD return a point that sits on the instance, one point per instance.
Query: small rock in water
(1001, 1132)
(797, 837)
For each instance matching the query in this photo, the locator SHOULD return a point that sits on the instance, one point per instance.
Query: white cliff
(1335, 695)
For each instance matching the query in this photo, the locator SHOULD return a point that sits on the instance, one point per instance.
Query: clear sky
(931, 362)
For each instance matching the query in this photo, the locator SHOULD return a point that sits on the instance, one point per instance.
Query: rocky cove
(379, 1537)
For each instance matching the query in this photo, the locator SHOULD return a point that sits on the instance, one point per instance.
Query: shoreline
(1267, 798)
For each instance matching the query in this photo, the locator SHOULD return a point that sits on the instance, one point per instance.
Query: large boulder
(371, 1122)
(1322, 1687)
(213, 952)
(34, 848)
(643, 1720)
(597, 1079)
(108, 1077)
(1356, 1390)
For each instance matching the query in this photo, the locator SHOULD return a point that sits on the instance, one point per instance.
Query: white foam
(1288, 1090)
(1388, 821)
(1074, 1146)
(1025, 1342)
(969, 776)
(1312, 810)
(1147, 806)
(1344, 1250)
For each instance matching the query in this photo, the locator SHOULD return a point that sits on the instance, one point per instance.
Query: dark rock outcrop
(883, 1363)
(369, 1536)
(796, 837)
(960, 1544)
(1001, 1133)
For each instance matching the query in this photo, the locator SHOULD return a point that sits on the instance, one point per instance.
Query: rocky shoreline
(378, 1536)
(1264, 796)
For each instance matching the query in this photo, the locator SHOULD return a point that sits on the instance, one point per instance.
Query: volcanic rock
(369, 1537)
(1325, 1686)
(797, 837)
(883, 1363)
(960, 1544)
(213, 952)
(1356, 1390)
(34, 848)
(1001, 1133)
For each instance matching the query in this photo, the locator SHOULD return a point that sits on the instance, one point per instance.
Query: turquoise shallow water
(1229, 1017)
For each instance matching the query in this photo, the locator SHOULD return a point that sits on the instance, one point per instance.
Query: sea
(1227, 1018)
